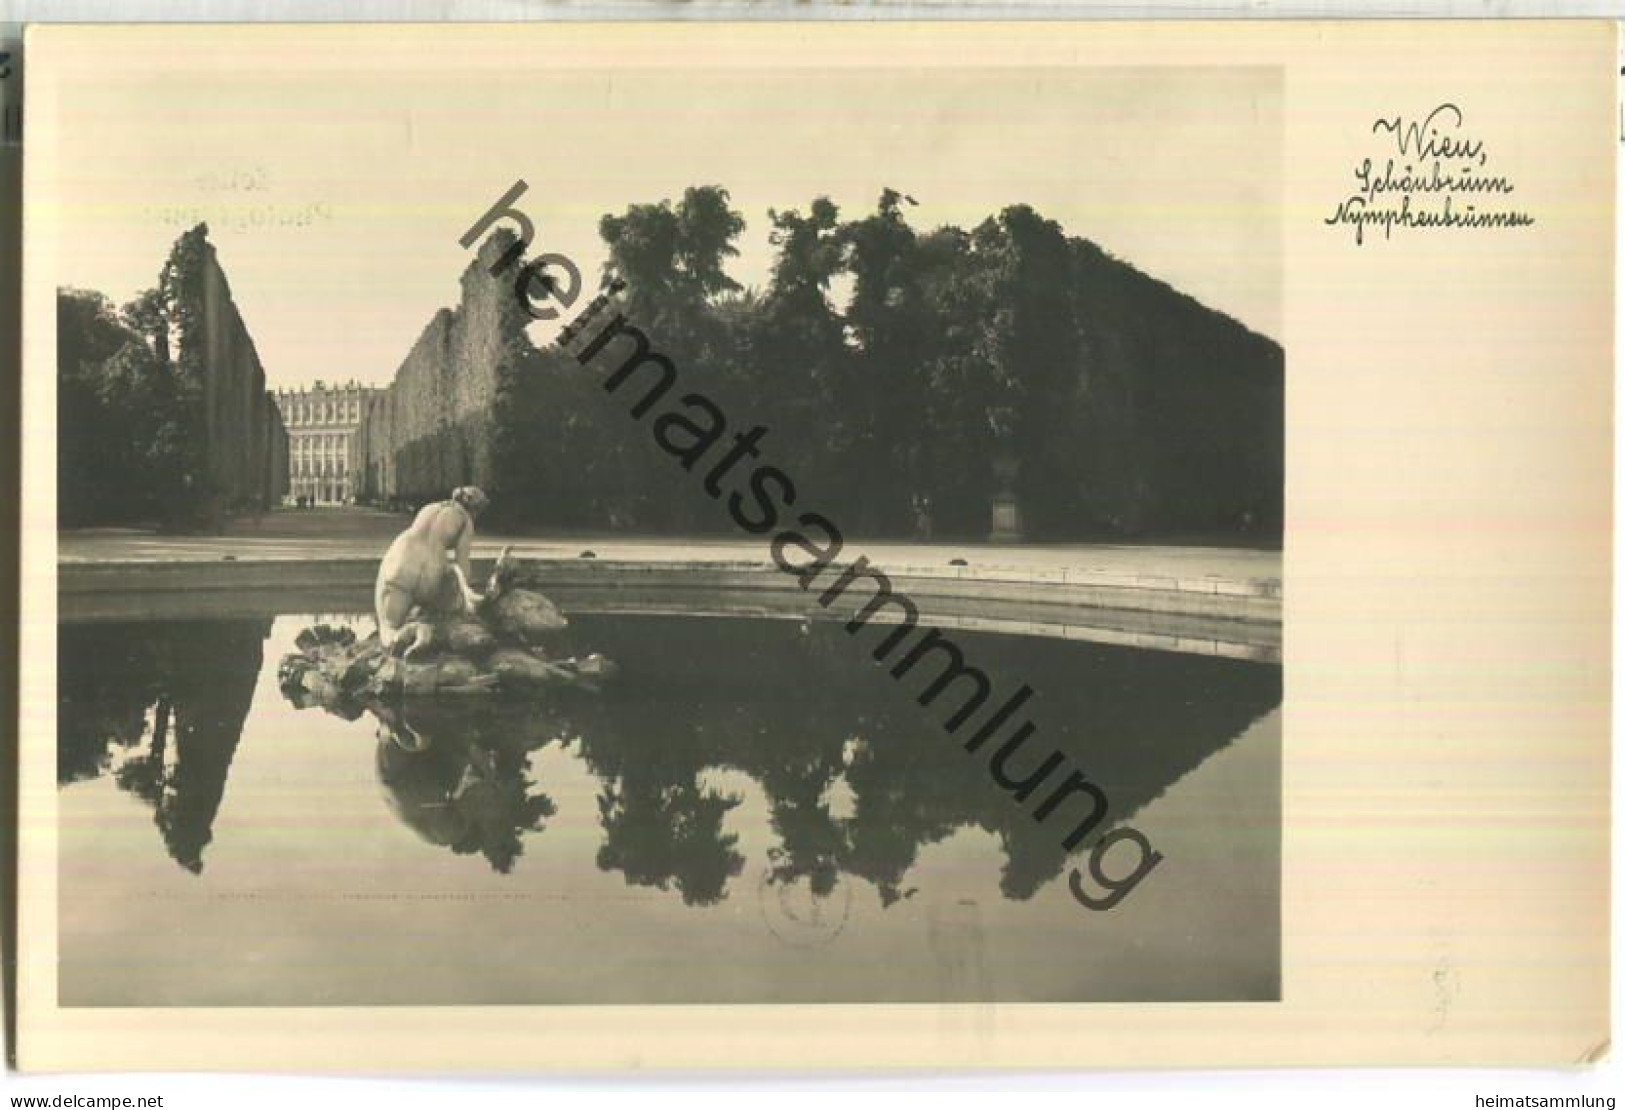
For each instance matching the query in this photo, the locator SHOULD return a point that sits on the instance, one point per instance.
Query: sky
(335, 194)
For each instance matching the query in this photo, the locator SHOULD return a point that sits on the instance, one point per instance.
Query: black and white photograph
(785, 545)
(774, 553)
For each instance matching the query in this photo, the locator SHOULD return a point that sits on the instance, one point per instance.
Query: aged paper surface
(1433, 888)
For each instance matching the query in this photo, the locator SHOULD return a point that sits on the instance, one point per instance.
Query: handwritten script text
(1430, 175)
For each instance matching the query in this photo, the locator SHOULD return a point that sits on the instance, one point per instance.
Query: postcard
(810, 545)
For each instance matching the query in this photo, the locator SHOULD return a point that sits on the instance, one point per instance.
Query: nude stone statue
(425, 572)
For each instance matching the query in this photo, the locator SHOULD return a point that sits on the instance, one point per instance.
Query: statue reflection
(454, 769)
(459, 780)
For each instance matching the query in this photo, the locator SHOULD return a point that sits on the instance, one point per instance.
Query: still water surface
(751, 812)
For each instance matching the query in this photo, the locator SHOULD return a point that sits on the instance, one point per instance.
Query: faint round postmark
(799, 916)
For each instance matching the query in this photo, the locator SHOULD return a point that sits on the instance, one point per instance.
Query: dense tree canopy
(127, 439)
(904, 376)
(162, 412)
(893, 366)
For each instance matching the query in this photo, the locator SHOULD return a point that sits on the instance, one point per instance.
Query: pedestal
(1007, 523)
(1007, 526)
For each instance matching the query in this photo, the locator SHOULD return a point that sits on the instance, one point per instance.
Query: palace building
(321, 422)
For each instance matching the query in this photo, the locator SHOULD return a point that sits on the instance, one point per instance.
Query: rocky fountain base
(501, 648)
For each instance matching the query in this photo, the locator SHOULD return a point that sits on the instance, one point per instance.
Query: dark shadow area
(161, 707)
(456, 775)
(796, 707)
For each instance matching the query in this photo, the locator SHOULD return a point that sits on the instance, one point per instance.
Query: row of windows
(322, 412)
(321, 490)
(304, 468)
(324, 445)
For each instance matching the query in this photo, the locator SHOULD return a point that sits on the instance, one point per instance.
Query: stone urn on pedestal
(1006, 515)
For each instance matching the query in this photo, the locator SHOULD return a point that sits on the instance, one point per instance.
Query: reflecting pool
(752, 811)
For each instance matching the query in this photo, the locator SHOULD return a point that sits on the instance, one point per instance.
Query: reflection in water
(751, 812)
(796, 708)
(803, 712)
(163, 707)
(456, 776)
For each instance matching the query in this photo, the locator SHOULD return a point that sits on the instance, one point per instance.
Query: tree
(88, 333)
(672, 259)
(148, 316)
(896, 334)
(1034, 352)
(1126, 406)
(129, 444)
(793, 357)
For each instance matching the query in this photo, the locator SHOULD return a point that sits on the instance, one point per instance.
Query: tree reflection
(665, 834)
(662, 824)
(799, 710)
(162, 706)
